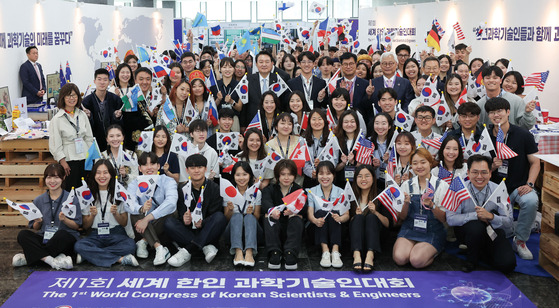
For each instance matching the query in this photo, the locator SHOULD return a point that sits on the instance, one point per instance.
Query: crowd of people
(370, 90)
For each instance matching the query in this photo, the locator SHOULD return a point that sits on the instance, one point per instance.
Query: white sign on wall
(525, 32)
(74, 33)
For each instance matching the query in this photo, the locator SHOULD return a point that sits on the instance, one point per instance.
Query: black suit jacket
(296, 84)
(31, 83)
(254, 97)
(360, 100)
(99, 122)
(402, 87)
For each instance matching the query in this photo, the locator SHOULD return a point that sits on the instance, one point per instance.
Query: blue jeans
(105, 251)
(527, 214)
(249, 222)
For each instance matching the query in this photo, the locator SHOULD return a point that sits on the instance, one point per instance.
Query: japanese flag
(229, 193)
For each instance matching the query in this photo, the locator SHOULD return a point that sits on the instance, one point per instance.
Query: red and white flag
(321, 203)
(230, 193)
(295, 201)
(503, 151)
(459, 32)
(463, 98)
(300, 155)
(537, 80)
(330, 117)
(332, 83)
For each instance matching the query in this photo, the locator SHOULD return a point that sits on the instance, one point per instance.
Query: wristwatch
(530, 184)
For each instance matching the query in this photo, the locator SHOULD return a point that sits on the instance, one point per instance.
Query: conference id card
(80, 145)
(420, 223)
(349, 171)
(504, 169)
(492, 234)
(49, 233)
(103, 229)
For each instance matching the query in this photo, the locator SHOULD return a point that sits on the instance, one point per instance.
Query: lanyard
(284, 154)
(104, 208)
(315, 147)
(307, 89)
(75, 126)
(53, 211)
(181, 118)
(474, 195)
(113, 159)
(324, 195)
(102, 108)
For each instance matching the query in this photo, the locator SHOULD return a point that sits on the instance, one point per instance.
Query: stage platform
(440, 285)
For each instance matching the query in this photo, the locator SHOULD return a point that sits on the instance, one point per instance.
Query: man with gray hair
(402, 86)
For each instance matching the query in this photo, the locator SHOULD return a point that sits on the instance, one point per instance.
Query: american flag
(255, 123)
(537, 80)
(503, 151)
(364, 148)
(390, 197)
(429, 192)
(391, 162)
(444, 174)
(456, 194)
(459, 32)
(436, 143)
(440, 30)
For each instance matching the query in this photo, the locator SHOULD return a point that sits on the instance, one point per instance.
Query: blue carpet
(528, 267)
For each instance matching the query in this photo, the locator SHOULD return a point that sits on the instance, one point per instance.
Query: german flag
(433, 38)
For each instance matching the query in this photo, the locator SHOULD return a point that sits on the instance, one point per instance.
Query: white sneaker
(325, 261)
(523, 251)
(129, 260)
(180, 258)
(209, 251)
(63, 262)
(142, 249)
(79, 259)
(161, 255)
(337, 259)
(19, 260)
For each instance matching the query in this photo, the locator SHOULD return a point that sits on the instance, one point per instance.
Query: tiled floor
(544, 292)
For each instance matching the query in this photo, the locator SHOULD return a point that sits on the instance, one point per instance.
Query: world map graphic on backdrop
(139, 30)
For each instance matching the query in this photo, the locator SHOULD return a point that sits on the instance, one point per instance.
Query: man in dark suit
(402, 86)
(432, 67)
(259, 83)
(102, 107)
(359, 89)
(313, 87)
(32, 78)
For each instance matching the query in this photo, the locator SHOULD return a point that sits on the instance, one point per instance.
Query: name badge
(311, 104)
(103, 229)
(504, 169)
(420, 223)
(49, 233)
(80, 145)
(349, 171)
(492, 234)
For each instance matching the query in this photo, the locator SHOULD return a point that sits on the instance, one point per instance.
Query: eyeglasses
(467, 116)
(476, 172)
(73, 95)
(388, 64)
(424, 118)
(404, 56)
(348, 64)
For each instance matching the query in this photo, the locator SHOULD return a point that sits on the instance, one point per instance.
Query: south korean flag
(231, 140)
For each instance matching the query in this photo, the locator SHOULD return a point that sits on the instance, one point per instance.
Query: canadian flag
(295, 201)
(332, 83)
(300, 155)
